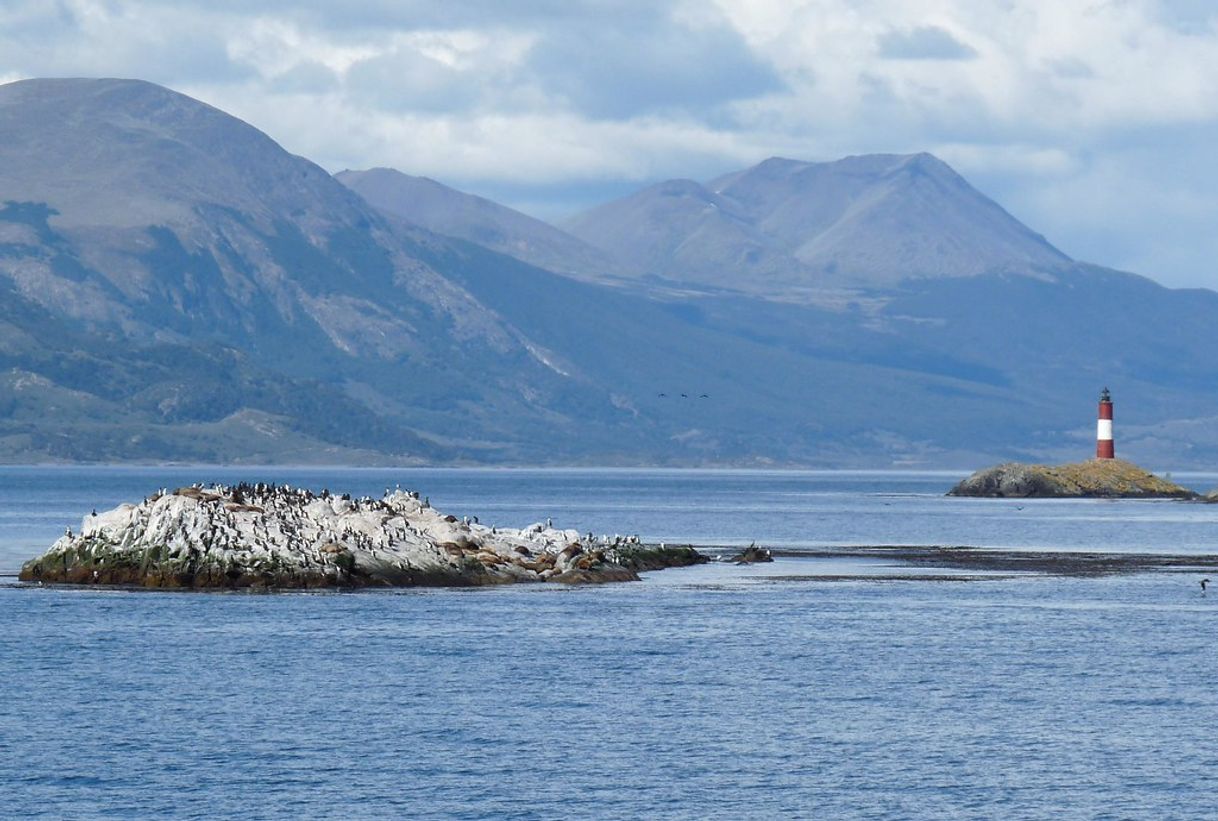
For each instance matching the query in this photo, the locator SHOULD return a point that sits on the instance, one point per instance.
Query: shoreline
(967, 564)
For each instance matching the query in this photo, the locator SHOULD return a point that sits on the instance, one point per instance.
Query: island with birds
(265, 536)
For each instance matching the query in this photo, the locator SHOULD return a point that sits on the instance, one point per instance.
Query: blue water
(708, 692)
(777, 508)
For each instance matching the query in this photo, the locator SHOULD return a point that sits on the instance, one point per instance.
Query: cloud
(406, 79)
(1092, 121)
(306, 77)
(923, 43)
(1189, 16)
(649, 64)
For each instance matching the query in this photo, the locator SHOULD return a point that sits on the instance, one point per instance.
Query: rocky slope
(206, 277)
(437, 207)
(264, 536)
(1102, 478)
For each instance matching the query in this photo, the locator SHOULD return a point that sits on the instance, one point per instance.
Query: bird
(1204, 582)
(663, 395)
(685, 396)
(704, 396)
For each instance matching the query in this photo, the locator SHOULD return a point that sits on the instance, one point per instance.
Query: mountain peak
(109, 99)
(864, 221)
(135, 140)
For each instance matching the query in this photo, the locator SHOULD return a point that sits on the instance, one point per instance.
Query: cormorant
(1204, 582)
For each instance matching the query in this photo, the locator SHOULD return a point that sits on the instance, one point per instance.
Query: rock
(655, 557)
(587, 576)
(752, 555)
(262, 536)
(1098, 478)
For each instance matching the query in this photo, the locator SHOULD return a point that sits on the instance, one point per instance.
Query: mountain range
(176, 286)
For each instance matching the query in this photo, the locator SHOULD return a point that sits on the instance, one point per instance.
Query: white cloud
(1073, 113)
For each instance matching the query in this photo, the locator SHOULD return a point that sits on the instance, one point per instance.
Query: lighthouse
(1103, 432)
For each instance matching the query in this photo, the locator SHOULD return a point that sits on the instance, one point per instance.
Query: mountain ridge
(785, 226)
(437, 207)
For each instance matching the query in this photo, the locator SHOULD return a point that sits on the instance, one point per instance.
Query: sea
(805, 688)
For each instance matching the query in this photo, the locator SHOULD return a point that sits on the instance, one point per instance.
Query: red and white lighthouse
(1104, 448)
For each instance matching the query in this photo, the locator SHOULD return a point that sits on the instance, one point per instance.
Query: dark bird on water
(663, 395)
(1204, 582)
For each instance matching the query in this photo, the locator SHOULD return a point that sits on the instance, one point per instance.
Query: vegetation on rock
(1100, 478)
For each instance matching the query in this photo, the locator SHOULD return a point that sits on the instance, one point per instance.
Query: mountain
(176, 286)
(445, 210)
(152, 228)
(784, 228)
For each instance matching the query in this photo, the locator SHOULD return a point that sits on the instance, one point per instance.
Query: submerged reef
(1098, 478)
(268, 536)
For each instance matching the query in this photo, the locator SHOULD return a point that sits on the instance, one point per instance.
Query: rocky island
(267, 536)
(1095, 478)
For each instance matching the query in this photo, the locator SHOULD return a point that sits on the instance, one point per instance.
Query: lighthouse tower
(1103, 433)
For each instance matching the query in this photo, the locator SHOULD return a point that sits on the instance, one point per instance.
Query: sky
(1093, 121)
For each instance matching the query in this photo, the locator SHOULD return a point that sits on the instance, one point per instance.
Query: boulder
(752, 555)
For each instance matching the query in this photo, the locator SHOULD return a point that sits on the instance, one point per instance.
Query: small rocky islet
(1094, 478)
(266, 536)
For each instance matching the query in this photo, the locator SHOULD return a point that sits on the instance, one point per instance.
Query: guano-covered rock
(265, 536)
